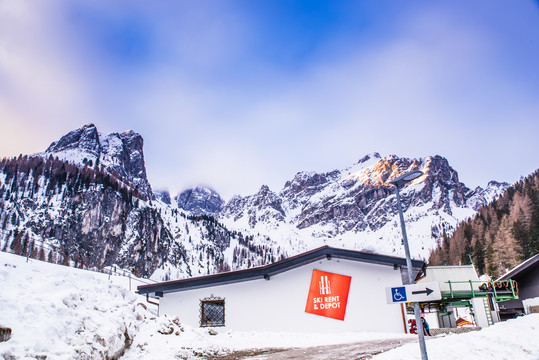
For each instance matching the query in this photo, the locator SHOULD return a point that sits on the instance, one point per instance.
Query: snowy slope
(58, 312)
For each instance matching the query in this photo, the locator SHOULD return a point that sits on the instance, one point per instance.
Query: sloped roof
(522, 269)
(459, 275)
(278, 267)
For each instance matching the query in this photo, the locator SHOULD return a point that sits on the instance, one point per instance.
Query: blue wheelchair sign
(398, 294)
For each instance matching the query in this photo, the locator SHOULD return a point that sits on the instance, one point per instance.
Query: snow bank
(167, 338)
(57, 312)
(509, 340)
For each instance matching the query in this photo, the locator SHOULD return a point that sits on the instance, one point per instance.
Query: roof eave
(272, 269)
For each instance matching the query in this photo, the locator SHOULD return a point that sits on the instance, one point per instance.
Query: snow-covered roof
(265, 272)
(522, 268)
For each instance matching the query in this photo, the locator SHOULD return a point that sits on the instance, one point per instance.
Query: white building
(323, 290)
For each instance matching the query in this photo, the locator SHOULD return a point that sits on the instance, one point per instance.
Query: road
(355, 351)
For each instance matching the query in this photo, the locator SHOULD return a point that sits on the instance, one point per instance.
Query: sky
(236, 94)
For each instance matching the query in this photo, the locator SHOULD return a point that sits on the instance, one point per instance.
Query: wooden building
(527, 276)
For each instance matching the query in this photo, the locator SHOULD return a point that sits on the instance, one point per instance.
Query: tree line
(500, 236)
(23, 174)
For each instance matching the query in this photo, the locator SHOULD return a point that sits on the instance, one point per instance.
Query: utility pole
(399, 182)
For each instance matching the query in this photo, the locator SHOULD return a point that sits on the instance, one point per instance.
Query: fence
(54, 253)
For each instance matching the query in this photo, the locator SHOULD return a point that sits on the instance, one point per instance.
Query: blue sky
(236, 94)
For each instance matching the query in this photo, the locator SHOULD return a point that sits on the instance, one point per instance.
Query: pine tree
(479, 255)
(492, 266)
(24, 243)
(41, 255)
(468, 234)
(445, 260)
(533, 233)
(16, 244)
(520, 234)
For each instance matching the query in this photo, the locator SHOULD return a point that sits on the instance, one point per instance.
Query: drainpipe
(151, 302)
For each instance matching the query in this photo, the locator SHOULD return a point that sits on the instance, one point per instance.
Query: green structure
(462, 289)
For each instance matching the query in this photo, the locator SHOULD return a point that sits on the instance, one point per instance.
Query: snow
(58, 312)
(512, 339)
(185, 342)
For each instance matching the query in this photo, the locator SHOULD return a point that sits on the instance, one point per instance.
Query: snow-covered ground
(186, 343)
(57, 312)
(509, 340)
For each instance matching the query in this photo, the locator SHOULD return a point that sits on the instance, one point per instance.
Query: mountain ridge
(89, 197)
(352, 206)
(120, 153)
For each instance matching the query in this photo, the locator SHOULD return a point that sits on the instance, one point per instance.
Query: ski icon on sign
(325, 285)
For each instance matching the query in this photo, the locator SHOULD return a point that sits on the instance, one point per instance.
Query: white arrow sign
(413, 293)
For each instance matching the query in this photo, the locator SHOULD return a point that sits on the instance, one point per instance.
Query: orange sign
(328, 294)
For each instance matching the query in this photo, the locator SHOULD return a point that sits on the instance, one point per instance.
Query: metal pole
(419, 323)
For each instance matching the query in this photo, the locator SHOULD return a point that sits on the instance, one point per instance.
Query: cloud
(433, 86)
(42, 87)
(214, 108)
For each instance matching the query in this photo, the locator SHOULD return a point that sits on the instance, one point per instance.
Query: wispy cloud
(222, 97)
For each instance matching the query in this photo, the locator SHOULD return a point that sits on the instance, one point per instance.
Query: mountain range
(86, 201)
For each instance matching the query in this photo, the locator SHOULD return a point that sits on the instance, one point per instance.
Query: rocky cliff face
(163, 196)
(200, 201)
(79, 215)
(119, 153)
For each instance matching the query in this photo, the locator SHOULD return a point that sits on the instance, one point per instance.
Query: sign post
(399, 182)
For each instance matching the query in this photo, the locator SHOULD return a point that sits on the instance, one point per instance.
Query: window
(212, 312)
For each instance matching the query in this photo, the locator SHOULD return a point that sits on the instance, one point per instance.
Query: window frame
(212, 300)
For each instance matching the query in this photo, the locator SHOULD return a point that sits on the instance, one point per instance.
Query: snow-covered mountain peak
(373, 170)
(480, 197)
(83, 143)
(355, 207)
(120, 153)
(200, 201)
(372, 157)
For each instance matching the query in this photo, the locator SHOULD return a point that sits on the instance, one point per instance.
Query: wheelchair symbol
(399, 296)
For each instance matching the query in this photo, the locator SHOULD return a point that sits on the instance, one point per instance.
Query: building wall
(279, 304)
(531, 306)
(528, 285)
(480, 311)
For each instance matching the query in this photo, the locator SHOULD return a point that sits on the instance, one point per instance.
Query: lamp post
(398, 183)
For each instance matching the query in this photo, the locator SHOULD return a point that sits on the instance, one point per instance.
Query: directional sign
(413, 293)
